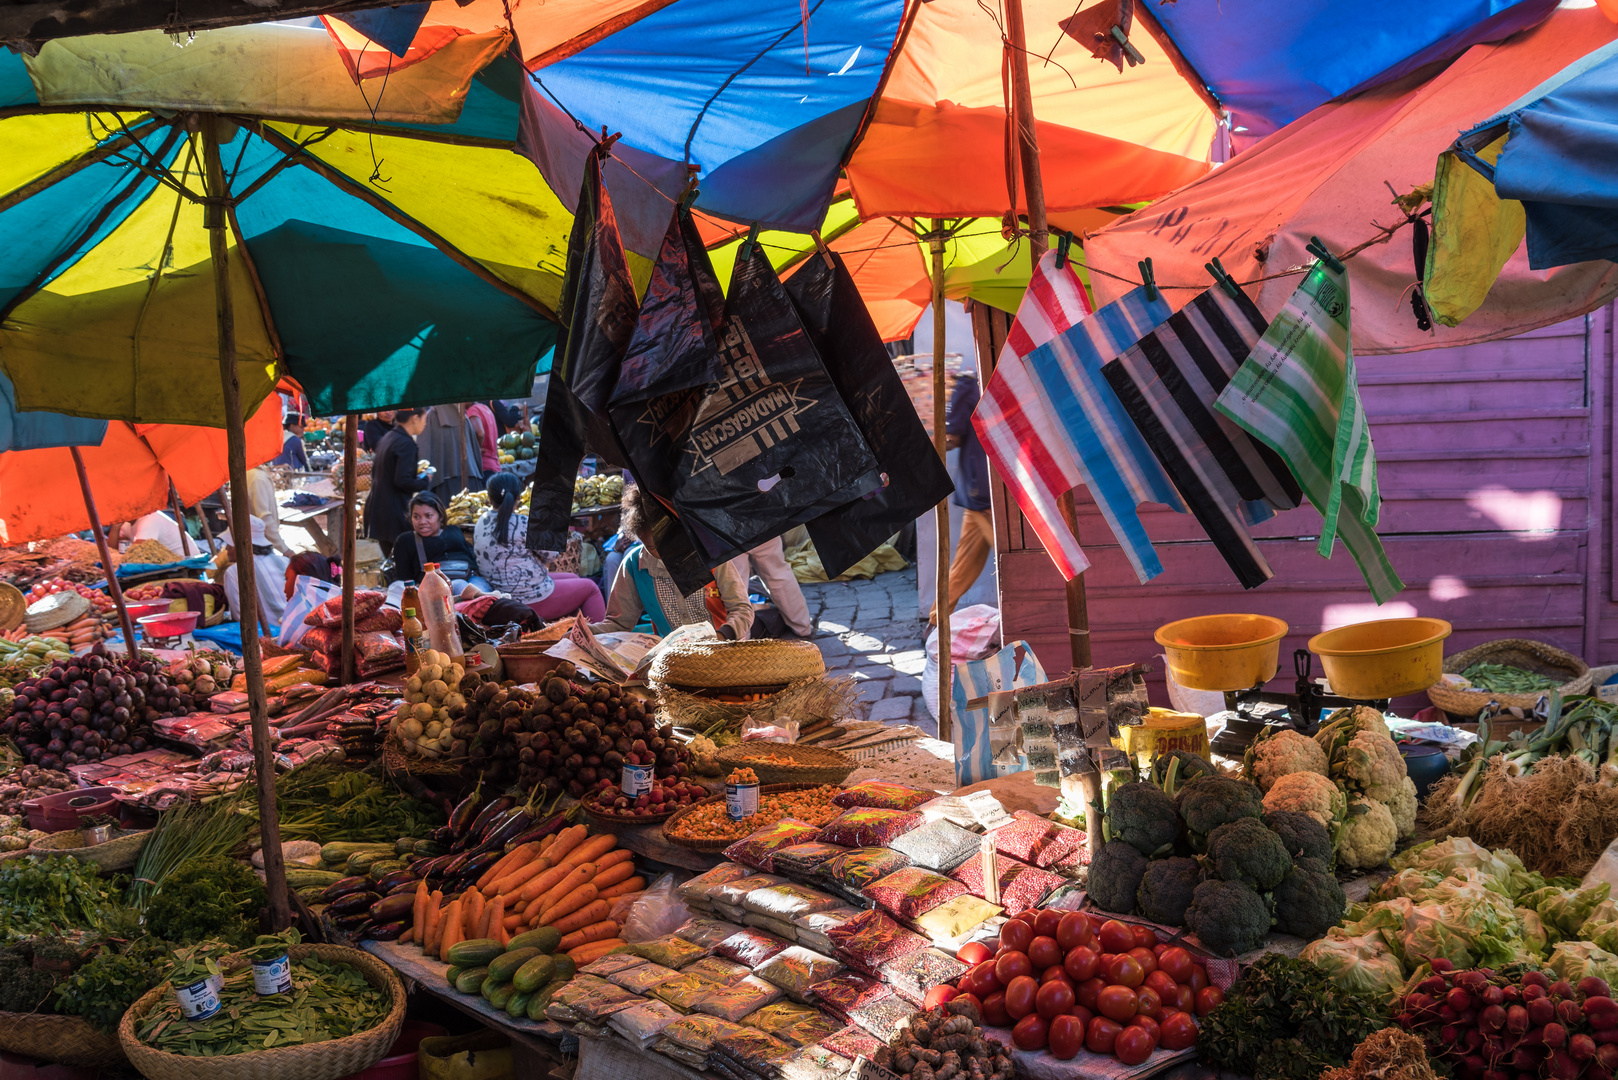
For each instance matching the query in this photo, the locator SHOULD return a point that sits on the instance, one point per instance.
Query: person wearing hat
(269, 577)
(293, 455)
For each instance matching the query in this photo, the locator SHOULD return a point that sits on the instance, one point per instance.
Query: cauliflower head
(1369, 835)
(1280, 754)
(1374, 765)
(1308, 793)
(1403, 807)
(1355, 718)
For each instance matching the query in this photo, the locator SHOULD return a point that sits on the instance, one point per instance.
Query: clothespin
(1320, 251)
(1064, 243)
(1121, 36)
(746, 251)
(688, 196)
(1147, 279)
(1225, 281)
(825, 252)
(604, 147)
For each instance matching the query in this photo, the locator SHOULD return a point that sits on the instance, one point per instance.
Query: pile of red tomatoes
(1063, 980)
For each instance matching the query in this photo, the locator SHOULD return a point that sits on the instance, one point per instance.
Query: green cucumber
(542, 997)
(502, 995)
(504, 967)
(338, 852)
(471, 980)
(454, 973)
(405, 845)
(518, 1005)
(383, 867)
(360, 861)
(474, 951)
(545, 939)
(565, 967)
(535, 973)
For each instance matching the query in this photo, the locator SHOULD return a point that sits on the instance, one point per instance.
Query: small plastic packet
(950, 924)
(851, 1042)
(883, 1017)
(694, 893)
(796, 969)
(1033, 840)
(696, 1059)
(697, 1032)
(779, 1017)
(684, 991)
(871, 939)
(670, 950)
(912, 975)
(641, 1023)
(738, 999)
(800, 860)
(847, 874)
(750, 947)
(813, 926)
(772, 926)
(643, 979)
(594, 1000)
(758, 848)
(841, 993)
(788, 901)
(815, 1062)
(611, 964)
(811, 1029)
(906, 893)
(752, 1051)
(729, 899)
(1021, 886)
(706, 932)
(939, 846)
(882, 795)
(868, 827)
(722, 971)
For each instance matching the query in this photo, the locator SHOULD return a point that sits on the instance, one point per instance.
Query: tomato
(1147, 1003)
(1009, 965)
(983, 980)
(1048, 923)
(1089, 991)
(1143, 1021)
(1165, 986)
(1126, 970)
(1015, 936)
(1027, 916)
(1177, 1031)
(1031, 1032)
(994, 1010)
(1082, 963)
(1117, 1003)
(1056, 973)
(1133, 1045)
(1101, 1034)
(1115, 936)
(973, 953)
(1159, 949)
(939, 995)
(1054, 999)
(1145, 936)
(1074, 930)
(1020, 996)
(1066, 1036)
(1176, 963)
(1145, 958)
(1044, 951)
(1198, 978)
(1209, 998)
(1185, 998)
(1083, 1014)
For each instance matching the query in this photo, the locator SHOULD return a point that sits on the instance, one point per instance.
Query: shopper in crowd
(480, 418)
(269, 570)
(310, 564)
(498, 538)
(262, 504)
(432, 539)
(375, 428)
(292, 454)
(769, 561)
(971, 493)
(157, 526)
(394, 479)
(644, 596)
(447, 442)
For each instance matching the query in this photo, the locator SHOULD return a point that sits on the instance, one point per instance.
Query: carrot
(542, 883)
(530, 911)
(435, 922)
(496, 920)
(606, 928)
(518, 876)
(418, 911)
(566, 841)
(583, 954)
(545, 844)
(452, 929)
(514, 921)
(593, 912)
(575, 878)
(613, 858)
(408, 935)
(499, 869)
(472, 913)
(612, 875)
(591, 850)
(623, 888)
(568, 904)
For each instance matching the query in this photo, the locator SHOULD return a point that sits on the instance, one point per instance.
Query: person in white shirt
(160, 527)
(269, 577)
(264, 508)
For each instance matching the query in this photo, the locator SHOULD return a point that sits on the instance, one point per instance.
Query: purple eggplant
(465, 812)
(408, 887)
(394, 879)
(385, 931)
(556, 823)
(392, 909)
(352, 923)
(434, 867)
(353, 903)
(357, 883)
(485, 819)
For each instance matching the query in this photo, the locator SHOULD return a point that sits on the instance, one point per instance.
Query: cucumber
(454, 973)
(471, 980)
(474, 951)
(545, 939)
(502, 995)
(360, 861)
(518, 1005)
(405, 845)
(339, 851)
(505, 966)
(298, 877)
(535, 973)
(541, 998)
(383, 867)
(565, 967)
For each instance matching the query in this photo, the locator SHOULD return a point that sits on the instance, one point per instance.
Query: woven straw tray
(811, 764)
(119, 853)
(61, 1040)
(719, 845)
(1535, 656)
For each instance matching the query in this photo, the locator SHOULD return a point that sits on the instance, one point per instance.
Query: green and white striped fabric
(1297, 394)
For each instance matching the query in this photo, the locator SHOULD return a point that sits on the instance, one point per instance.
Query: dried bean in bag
(871, 939)
(882, 795)
(906, 893)
(759, 848)
(939, 846)
(738, 999)
(750, 947)
(868, 827)
(796, 969)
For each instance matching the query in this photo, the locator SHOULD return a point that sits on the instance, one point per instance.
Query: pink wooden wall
(1496, 474)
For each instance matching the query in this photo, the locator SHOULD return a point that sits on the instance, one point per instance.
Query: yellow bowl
(1383, 658)
(1223, 652)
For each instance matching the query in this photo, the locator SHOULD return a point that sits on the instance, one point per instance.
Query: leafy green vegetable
(1360, 964)
(187, 831)
(43, 896)
(114, 979)
(319, 801)
(1505, 679)
(210, 897)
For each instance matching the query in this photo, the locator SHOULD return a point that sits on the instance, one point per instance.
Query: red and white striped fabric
(1018, 433)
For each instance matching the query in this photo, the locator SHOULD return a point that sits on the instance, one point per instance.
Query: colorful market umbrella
(1329, 174)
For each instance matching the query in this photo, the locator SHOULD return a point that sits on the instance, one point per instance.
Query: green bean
(1505, 679)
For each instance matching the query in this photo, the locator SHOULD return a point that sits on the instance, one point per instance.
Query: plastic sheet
(906, 893)
(656, 914)
(796, 969)
(882, 795)
(868, 827)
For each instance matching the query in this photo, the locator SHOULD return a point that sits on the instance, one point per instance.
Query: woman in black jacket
(432, 540)
(394, 479)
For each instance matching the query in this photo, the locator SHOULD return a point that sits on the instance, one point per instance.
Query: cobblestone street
(869, 629)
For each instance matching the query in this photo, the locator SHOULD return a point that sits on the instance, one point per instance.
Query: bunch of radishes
(1501, 1027)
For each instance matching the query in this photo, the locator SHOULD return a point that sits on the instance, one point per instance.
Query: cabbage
(1359, 964)
(1536, 938)
(1567, 909)
(1468, 884)
(1458, 853)
(1411, 883)
(1573, 960)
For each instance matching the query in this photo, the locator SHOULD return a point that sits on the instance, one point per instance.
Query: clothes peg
(1146, 279)
(825, 252)
(605, 145)
(1132, 54)
(688, 196)
(1321, 252)
(1064, 242)
(1225, 281)
(746, 251)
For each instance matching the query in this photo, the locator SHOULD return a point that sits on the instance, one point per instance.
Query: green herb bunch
(319, 801)
(114, 979)
(30, 970)
(211, 897)
(53, 895)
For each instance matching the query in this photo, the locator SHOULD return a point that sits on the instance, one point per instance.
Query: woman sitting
(512, 568)
(428, 541)
(644, 596)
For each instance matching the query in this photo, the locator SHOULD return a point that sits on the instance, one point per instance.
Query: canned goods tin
(272, 976)
(741, 800)
(198, 1001)
(636, 781)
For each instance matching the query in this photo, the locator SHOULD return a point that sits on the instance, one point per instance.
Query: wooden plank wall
(1496, 486)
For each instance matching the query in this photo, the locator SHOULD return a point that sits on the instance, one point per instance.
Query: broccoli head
(1211, 801)
(1303, 836)
(1115, 876)
(1191, 766)
(1309, 901)
(1246, 851)
(1143, 817)
(1228, 917)
(1165, 890)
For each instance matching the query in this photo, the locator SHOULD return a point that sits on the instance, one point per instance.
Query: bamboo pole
(942, 601)
(241, 524)
(351, 452)
(106, 554)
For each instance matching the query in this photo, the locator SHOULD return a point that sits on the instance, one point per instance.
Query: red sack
(367, 602)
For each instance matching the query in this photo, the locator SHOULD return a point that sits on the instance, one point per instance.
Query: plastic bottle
(415, 635)
(438, 613)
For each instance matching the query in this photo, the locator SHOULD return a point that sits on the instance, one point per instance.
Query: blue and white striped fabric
(1115, 462)
(974, 731)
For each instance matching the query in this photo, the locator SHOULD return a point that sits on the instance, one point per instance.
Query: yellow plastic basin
(1223, 652)
(1383, 658)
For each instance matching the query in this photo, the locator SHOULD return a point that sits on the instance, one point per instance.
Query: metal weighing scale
(1250, 711)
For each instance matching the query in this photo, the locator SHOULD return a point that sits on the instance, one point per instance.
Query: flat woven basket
(57, 609)
(811, 764)
(61, 1040)
(119, 853)
(718, 845)
(1535, 656)
(611, 823)
(709, 664)
(814, 698)
(314, 1061)
(396, 760)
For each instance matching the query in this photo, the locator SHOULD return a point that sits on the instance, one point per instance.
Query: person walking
(394, 479)
(293, 455)
(971, 493)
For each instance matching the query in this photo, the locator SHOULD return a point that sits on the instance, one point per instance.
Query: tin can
(636, 780)
(198, 1001)
(741, 800)
(272, 976)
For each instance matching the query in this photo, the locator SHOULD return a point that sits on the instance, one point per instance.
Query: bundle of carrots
(567, 882)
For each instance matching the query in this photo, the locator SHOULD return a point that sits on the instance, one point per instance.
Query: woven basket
(719, 845)
(806, 700)
(119, 853)
(13, 606)
(813, 765)
(396, 760)
(315, 1061)
(55, 610)
(61, 1040)
(611, 823)
(1533, 656)
(710, 664)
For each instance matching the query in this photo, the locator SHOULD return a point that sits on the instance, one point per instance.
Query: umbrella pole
(942, 600)
(179, 519)
(241, 526)
(351, 436)
(207, 528)
(106, 554)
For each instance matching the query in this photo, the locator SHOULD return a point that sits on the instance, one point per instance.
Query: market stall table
(309, 518)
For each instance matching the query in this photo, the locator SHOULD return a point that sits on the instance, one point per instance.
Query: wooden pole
(179, 519)
(106, 554)
(207, 528)
(269, 823)
(351, 452)
(942, 601)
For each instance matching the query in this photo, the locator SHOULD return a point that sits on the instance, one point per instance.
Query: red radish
(1541, 1012)
(1492, 1018)
(1590, 986)
(1527, 1058)
(1473, 982)
(1533, 991)
(1458, 999)
(1516, 1019)
(1602, 1012)
(1529, 978)
(1569, 1012)
(1581, 1048)
(1562, 1067)
(1432, 984)
(1493, 995)
(1607, 1057)
(1605, 1036)
(1442, 965)
(1561, 988)
(1473, 1039)
(1555, 1036)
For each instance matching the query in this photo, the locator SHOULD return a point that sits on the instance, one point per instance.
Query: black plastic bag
(835, 317)
(599, 312)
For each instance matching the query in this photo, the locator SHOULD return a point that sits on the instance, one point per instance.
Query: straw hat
(13, 606)
(57, 609)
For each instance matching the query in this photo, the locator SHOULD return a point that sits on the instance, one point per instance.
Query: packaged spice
(906, 893)
(796, 969)
(815, 1063)
(813, 926)
(853, 870)
(722, 971)
(684, 991)
(728, 1071)
(590, 998)
(882, 1017)
(940, 846)
(948, 925)
(738, 999)
(696, 1059)
(811, 1029)
(643, 979)
(870, 939)
(1033, 840)
(772, 926)
(1021, 886)
(868, 827)
(851, 1042)
(641, 1023)
(913, 975)
(800, 860)
(706, 932)
(779, 1017)
(788, 901)
(882, 795)
(752, 1051)
(669, 950)
(758, 848)
(728, 899)
(698, 1032)
(694, 893)
(750, 947)
(610, 964)
(841, 993)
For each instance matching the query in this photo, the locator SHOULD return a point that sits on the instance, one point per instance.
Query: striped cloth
(1021, 438)
(1298, 394)
(1167, 383)
(1114, 462)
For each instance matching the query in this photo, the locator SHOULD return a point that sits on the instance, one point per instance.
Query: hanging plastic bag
(658, 912)
(986, 732)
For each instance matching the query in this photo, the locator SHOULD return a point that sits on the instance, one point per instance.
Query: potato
(429, 673)
(434, 728)
(413, 686)
(436, 690)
